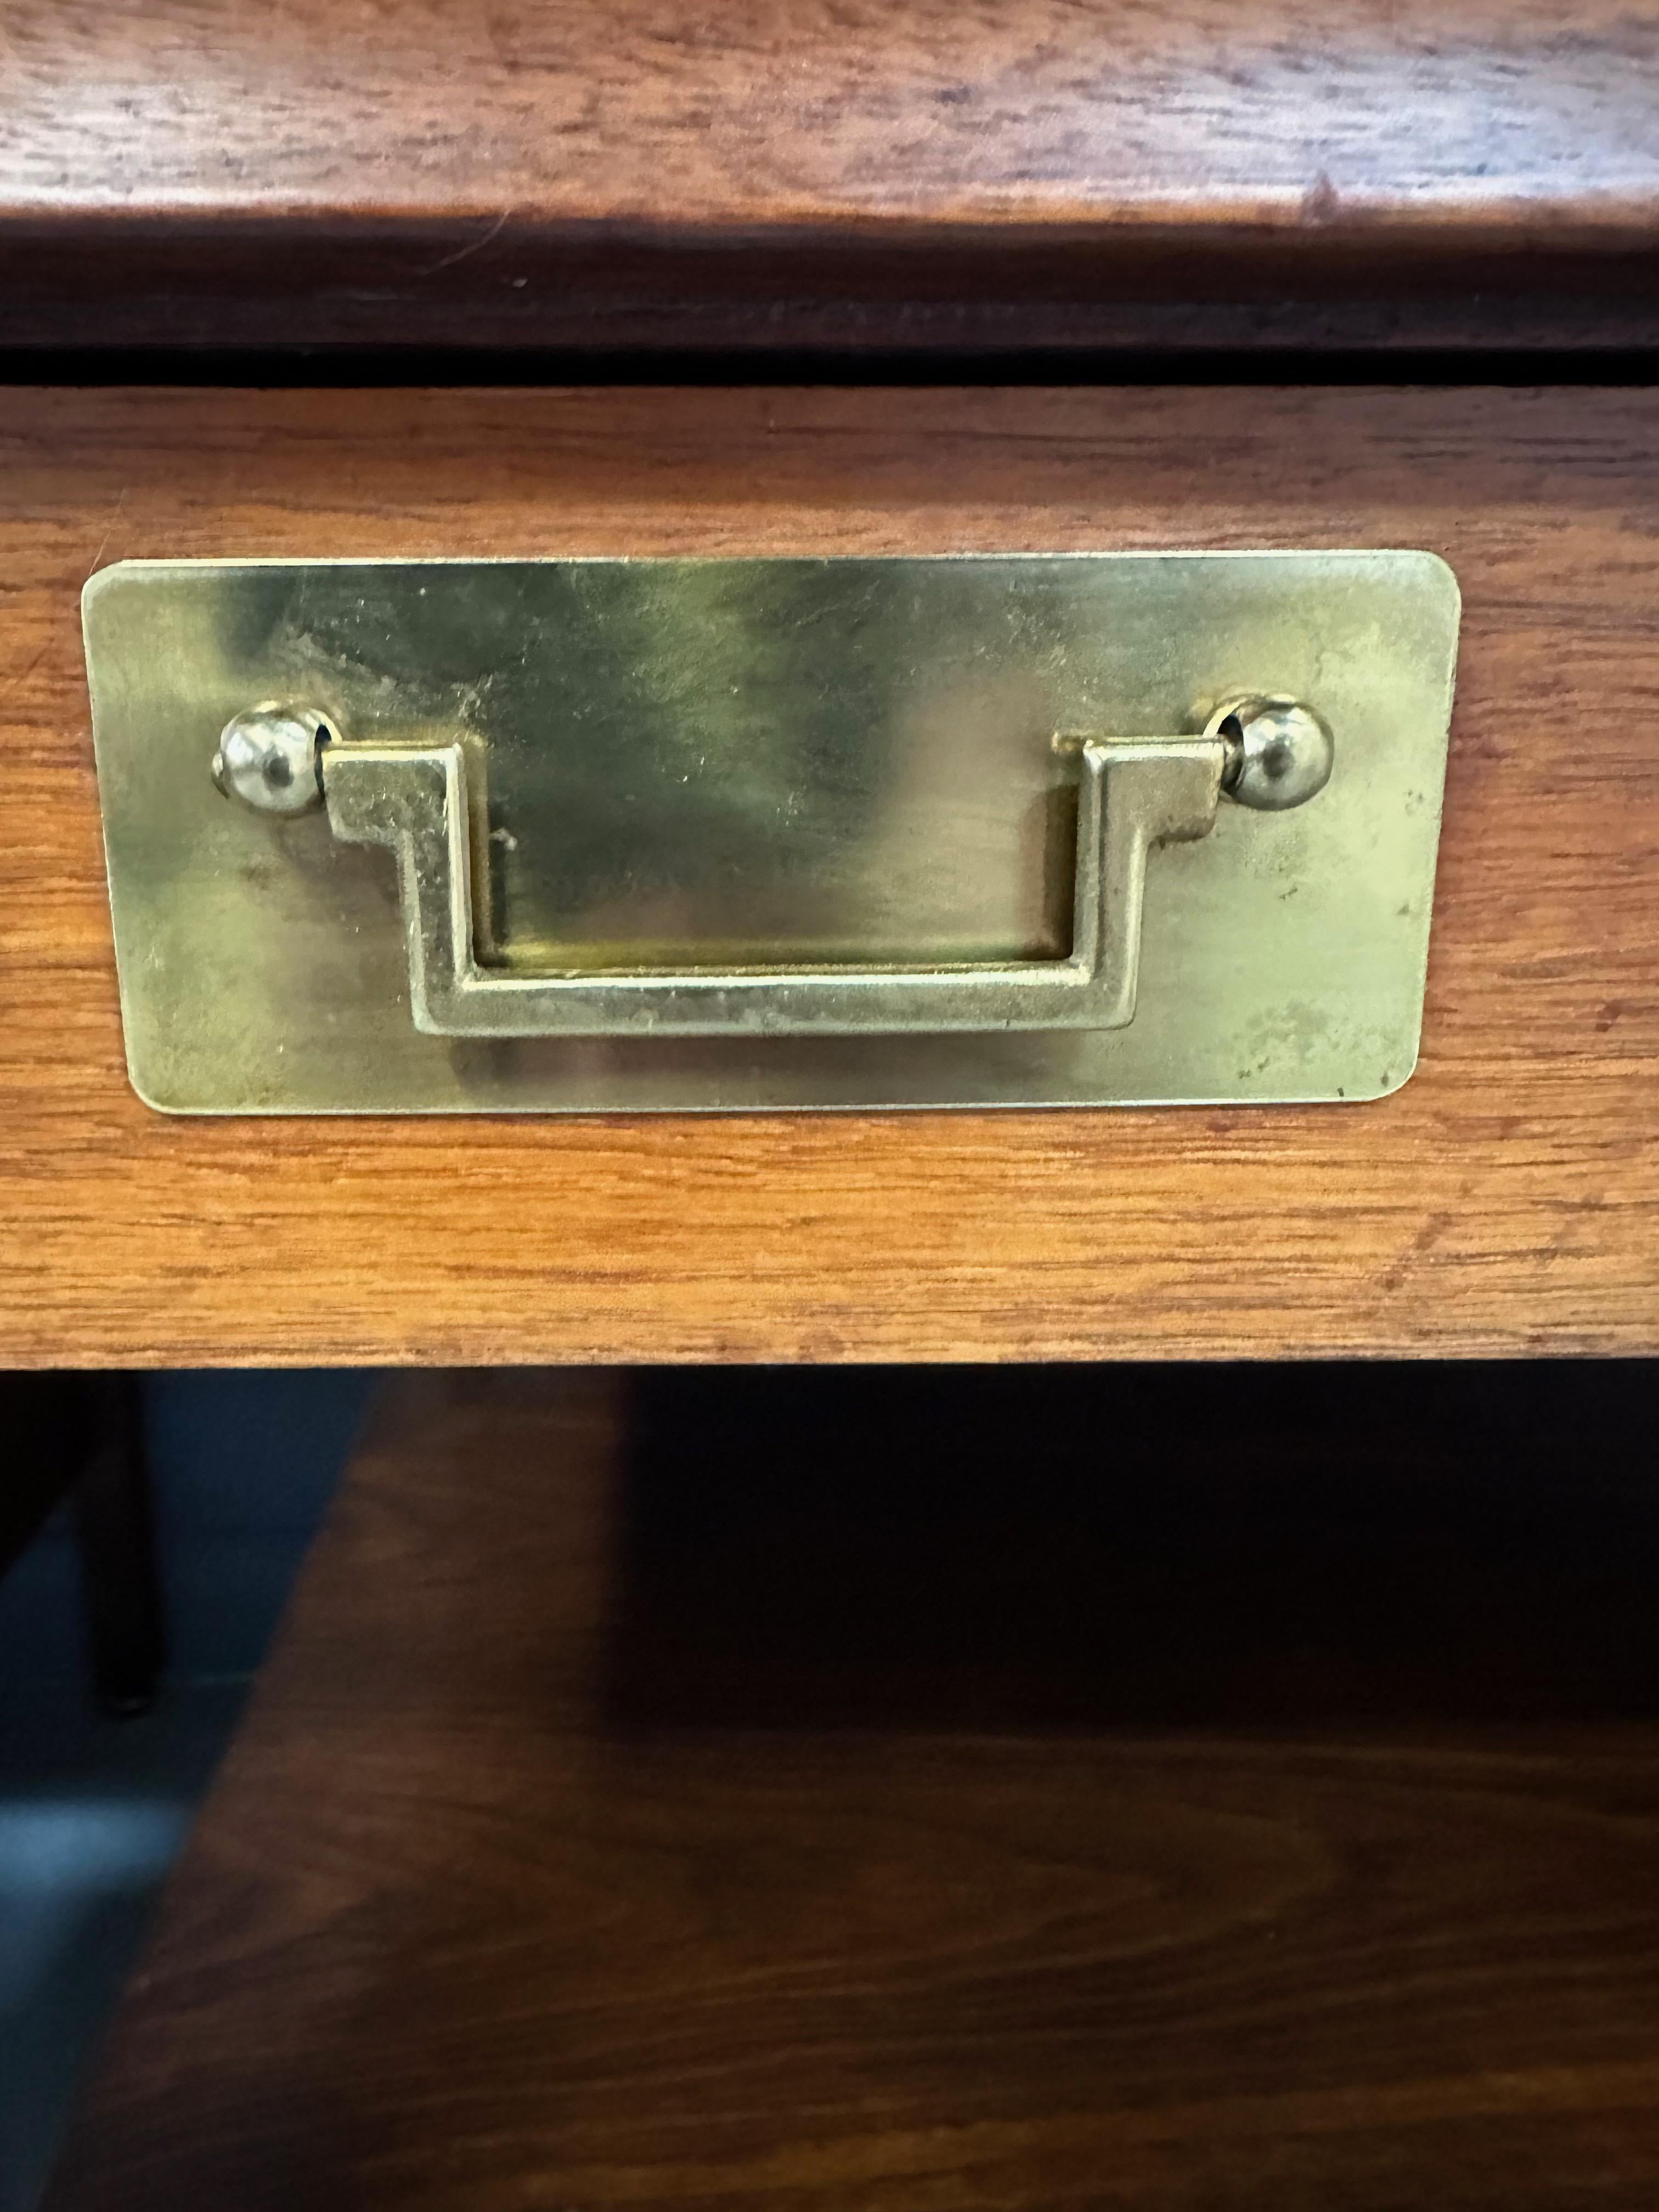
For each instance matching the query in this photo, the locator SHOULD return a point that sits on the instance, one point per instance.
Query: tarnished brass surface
(837, 768)
(1132, 799)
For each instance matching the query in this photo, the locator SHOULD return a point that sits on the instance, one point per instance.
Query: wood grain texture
(755, 1790)
(1503, 1201)
(1016, 172)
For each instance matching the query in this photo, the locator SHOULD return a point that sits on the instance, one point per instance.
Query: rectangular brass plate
(725, 763)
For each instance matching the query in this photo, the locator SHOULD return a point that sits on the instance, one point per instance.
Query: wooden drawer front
(1503, 1201)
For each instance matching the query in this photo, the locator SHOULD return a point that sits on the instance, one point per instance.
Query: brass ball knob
(267, 758)
(1279, 753)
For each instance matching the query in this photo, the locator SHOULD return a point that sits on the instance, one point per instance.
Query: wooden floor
(1118, 1788)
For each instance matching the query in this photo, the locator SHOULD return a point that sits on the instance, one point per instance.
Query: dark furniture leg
(115, 1536)
(83, 1436)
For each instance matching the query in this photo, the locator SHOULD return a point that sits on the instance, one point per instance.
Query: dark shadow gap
(1250, 1548)
(352, 367)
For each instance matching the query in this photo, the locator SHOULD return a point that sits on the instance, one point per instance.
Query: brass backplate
(732, 761)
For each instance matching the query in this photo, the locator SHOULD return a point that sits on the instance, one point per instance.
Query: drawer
(1502, 1201)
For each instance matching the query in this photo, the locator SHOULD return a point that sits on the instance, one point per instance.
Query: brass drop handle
(1134, 794)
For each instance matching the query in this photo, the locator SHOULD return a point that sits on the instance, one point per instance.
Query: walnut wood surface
(945, 1792)
(850, 172)
(1504, 1200)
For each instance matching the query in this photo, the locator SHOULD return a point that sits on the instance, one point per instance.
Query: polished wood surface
(632, 173)
(1503, 1201)
(1137, 1788)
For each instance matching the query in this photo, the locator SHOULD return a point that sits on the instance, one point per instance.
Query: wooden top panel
(1275, 112)
(411, 170)
(1503, 1201)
